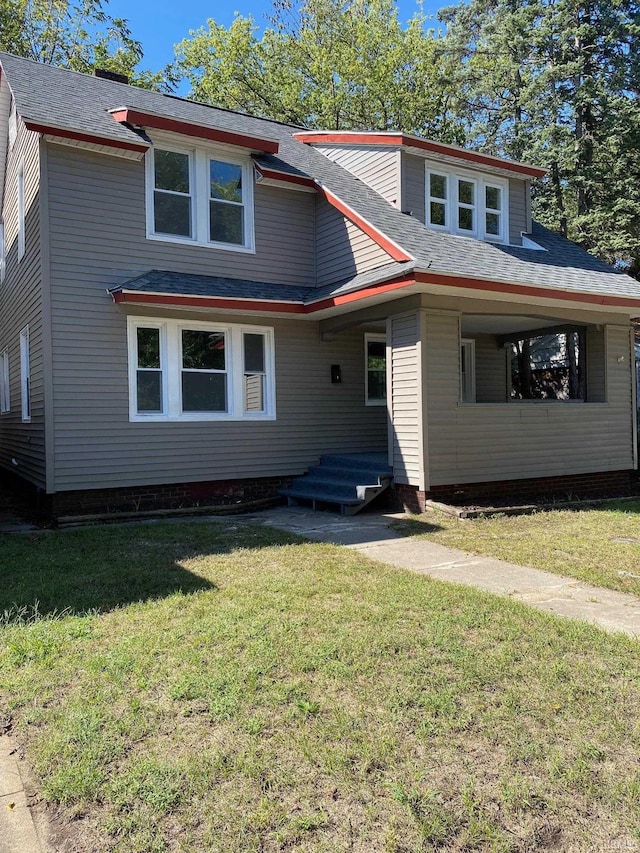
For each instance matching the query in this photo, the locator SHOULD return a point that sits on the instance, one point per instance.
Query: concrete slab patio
(371, 535)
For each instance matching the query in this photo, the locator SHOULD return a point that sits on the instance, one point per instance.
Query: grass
(225, 687)
(585, 544)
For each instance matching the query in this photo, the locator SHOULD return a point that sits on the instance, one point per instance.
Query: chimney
(110, 75)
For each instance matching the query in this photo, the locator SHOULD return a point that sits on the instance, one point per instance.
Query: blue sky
(159, 24)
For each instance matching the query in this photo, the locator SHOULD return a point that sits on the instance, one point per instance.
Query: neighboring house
(197, 304)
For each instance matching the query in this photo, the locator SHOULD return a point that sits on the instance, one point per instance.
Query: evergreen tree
(556, 82)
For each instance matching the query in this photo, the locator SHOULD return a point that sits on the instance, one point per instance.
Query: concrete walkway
(17, 829)
(370, 534)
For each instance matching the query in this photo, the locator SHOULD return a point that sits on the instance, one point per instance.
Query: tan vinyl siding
(97, 240)
(518, 219)
(22, 445)
(97, 445)
(375, 167)
(489, 442)
(414, 185)
(406, 399)
(491, 370)
(596, 366)
(342, 249)
(98, 232)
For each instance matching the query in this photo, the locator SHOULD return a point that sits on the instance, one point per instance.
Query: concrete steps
(346, 481)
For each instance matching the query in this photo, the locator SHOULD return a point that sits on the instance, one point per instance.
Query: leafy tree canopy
(75, 34)
(338, 64)
(551, 81)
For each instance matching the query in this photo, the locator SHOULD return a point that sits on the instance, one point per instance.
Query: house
(198, 305)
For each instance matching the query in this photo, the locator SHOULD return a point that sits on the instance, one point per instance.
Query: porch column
(405, 401)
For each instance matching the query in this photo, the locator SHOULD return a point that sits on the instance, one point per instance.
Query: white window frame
(371, 337)
(479, 208)
(468, 378)
(499, 211)
(171, 366)
(25, 376)
(446, 201)
(21, 215)
(151, 189)
(5, 384)
(199, 186)
(463, 205)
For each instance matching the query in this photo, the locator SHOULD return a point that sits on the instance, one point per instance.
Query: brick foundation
(235, 493)
(502, 493)
(231, 493)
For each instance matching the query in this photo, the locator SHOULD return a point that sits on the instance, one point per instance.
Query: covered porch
(500, 396)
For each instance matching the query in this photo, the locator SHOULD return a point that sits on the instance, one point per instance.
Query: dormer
(199, 180)
(446, 187)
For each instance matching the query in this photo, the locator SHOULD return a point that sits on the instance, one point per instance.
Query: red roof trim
(357, 295)
(373, 290)
(384, 242)
(287, 177)
(525, 290)
(208, 302)
(142, 119)
(85, 137)
(337, 138)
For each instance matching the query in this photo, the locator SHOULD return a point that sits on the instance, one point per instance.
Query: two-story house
(197, 305)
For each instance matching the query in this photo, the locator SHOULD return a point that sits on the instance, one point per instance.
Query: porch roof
(166, 287)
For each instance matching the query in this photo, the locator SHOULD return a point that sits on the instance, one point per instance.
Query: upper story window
(172, 199)
(472, 205)
(200, 196)
(226, 207)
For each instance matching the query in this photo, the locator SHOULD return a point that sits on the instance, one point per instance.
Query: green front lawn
(600, 546)
(224, 687)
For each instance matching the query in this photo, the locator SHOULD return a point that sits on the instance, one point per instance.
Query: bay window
(200, 371)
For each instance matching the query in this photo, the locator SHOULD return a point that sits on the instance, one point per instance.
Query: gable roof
(49, 97)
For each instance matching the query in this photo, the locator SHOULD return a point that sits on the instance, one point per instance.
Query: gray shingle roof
(190, 284)
(81, 103)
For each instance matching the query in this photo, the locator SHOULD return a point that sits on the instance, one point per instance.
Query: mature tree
(556, 81)
(337, 64)
(75, 34)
